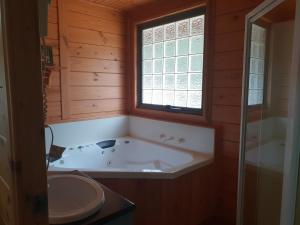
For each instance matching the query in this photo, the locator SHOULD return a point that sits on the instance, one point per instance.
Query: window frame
(139, 46)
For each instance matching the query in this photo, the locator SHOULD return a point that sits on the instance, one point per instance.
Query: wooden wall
(258, 183)
(280, 74)
(22, 147)
(185, 200)
(227, 91)
(92, 76)
(54, 89)
(225, 72)
(91, 81)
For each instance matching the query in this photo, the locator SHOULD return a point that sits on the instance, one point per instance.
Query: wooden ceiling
(284, 12)
(121, 5)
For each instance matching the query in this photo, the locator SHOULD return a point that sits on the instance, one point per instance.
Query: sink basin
(72, 198)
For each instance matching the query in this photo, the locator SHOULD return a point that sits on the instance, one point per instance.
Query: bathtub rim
(200, 160)
(137, 174)
(271, 167)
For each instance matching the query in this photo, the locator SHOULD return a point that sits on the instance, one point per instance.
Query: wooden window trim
(137, 18)
(168, 19)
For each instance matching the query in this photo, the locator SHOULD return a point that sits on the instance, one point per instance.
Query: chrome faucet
(165, 139)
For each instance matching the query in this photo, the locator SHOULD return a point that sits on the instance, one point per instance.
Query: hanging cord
(52, 138)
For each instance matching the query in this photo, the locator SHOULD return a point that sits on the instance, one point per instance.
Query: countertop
(114, 207)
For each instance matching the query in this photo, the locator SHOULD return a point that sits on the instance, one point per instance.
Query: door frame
(292, 149)
(256, 13)
(20, 24)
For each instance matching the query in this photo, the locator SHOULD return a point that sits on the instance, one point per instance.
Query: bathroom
(184, 111)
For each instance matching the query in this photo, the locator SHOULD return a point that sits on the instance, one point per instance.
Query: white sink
(73, 198)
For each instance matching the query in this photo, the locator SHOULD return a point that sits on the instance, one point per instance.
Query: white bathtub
(130, 158)
(270, 155)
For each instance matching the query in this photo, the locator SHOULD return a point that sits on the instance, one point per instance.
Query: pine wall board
(89, 53)
(95, 40)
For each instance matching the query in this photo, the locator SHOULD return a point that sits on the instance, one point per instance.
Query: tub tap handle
(168, 139)
(181, 140)
(162, 136)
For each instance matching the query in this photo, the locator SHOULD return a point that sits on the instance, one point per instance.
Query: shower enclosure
(269, 150)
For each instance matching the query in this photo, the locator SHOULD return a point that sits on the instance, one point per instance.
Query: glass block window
(171, 63)
(257, 65)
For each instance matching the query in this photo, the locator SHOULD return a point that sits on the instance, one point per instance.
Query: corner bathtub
(130, 158)
(181, 184)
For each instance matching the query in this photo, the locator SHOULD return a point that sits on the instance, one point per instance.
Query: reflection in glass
(270, 53)
(257, 64)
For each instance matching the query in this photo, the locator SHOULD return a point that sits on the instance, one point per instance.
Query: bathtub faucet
(165, 139)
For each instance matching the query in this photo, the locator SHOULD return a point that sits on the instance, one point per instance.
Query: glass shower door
(266, 99)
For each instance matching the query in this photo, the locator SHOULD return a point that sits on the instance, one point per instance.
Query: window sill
(196, 120)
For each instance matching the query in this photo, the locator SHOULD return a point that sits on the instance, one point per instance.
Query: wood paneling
(226, 114)
(234, 6)
(229, 60)
(231, 132)
(53, 90)
(230, 149)
(96, 52)
(227, 82)
(283, 12)
(96, 79)
(229, 41)
(184, 200)
(95, 65)
(93, 23)
(154, 10)
(97, 115)
(258, 183)
(52, 14)
(94, 106)
(89, 49)
(231, 22)
(84, 36)
(279, 66)
(227, 96)
(97, 11)
(225, 66)
(95, 93)
(122, 5)
(53, 94)
(52, 31)
(54, 79)
(95, 44)
(64, 59)
(54, 111)
(228, 78)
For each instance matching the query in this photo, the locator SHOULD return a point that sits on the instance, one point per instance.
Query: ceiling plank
(121, 5)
